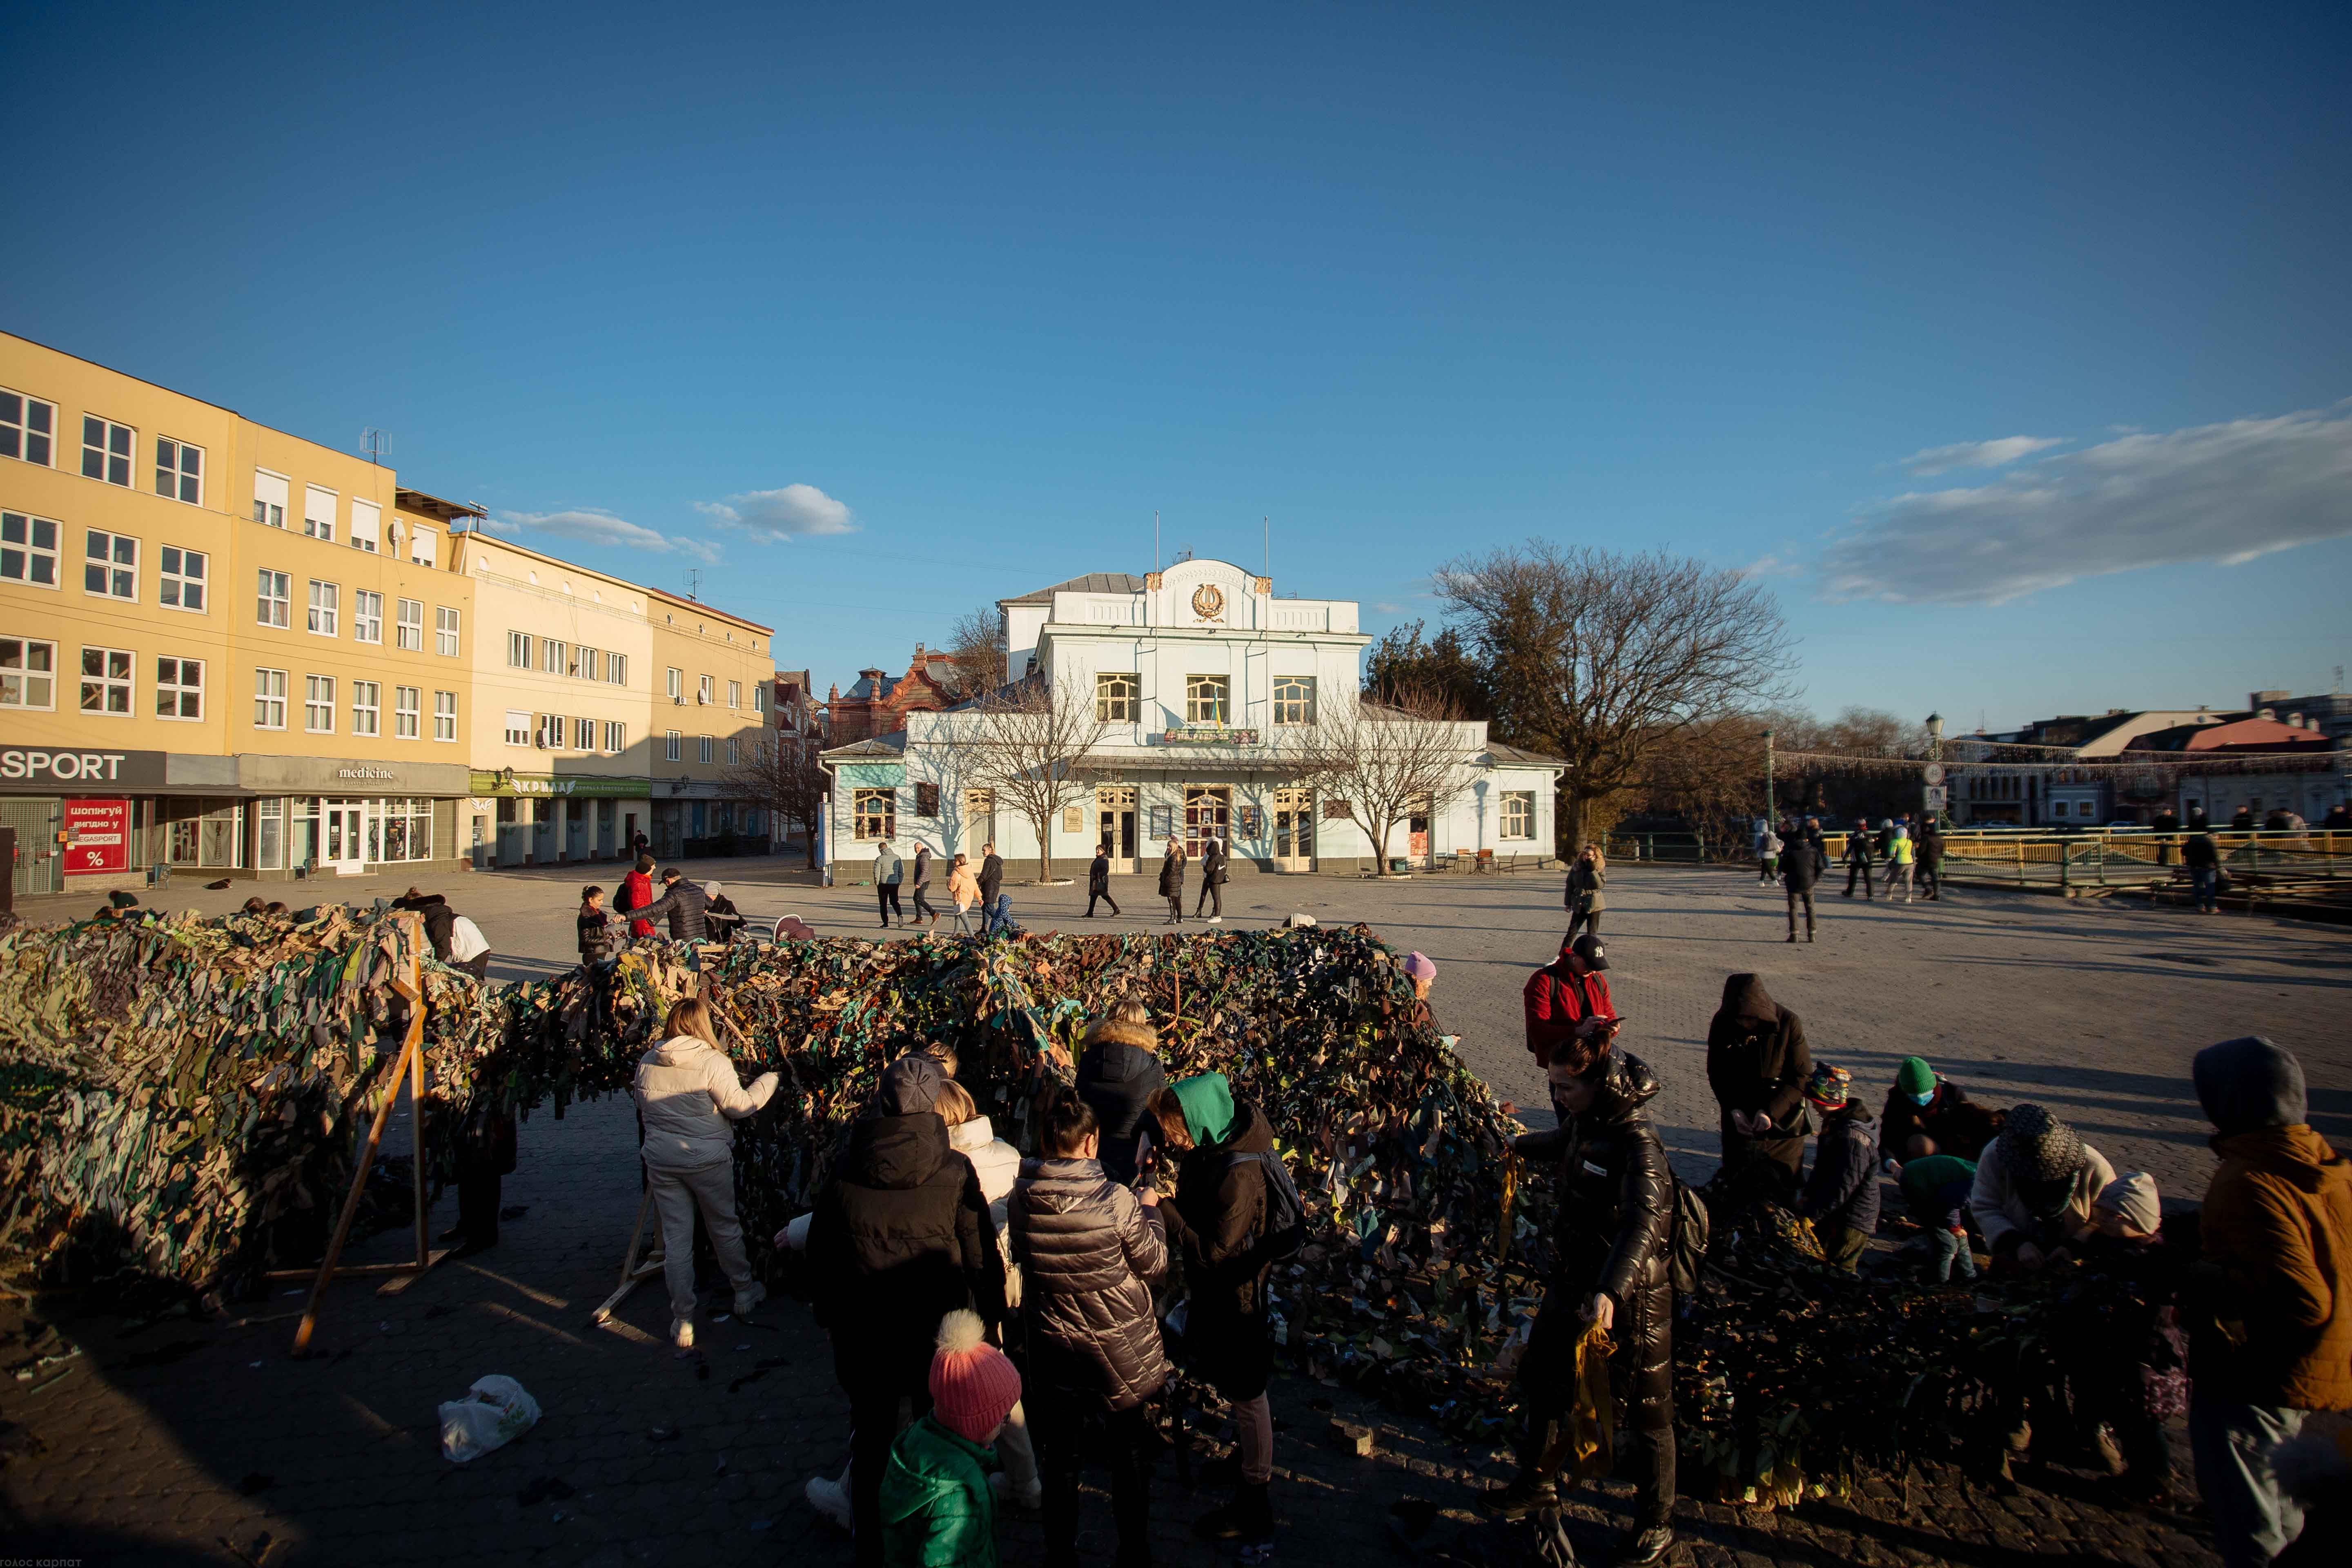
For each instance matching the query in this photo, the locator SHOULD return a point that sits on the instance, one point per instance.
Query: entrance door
(978, 821)
(1294, 830)
(1208, 814)
(1115, 811)
(1417, 833)
(346, 828)
(542, 831)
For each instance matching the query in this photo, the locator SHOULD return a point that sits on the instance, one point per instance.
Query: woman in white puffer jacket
(687, 1097)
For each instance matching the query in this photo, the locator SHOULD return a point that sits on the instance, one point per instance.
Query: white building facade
(1207, 684)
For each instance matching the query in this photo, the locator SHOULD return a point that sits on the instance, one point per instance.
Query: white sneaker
(749, 1296)
(1216, 919)
(830, 1499)
(681, 1332)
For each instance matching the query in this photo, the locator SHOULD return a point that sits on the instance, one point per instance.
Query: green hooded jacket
(936, 1510)
(1208, 1102)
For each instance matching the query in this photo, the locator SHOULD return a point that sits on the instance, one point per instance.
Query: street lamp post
(1936, 756)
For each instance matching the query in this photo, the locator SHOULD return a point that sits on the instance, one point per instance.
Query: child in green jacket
(937, 1509)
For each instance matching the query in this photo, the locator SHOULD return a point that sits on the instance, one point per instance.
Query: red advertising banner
(97, 837)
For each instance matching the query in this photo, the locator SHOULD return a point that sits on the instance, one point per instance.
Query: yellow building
(222, 647)
(715, 674)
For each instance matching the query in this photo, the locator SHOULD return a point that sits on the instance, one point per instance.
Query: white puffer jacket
(686, 1090)
(998, 1165)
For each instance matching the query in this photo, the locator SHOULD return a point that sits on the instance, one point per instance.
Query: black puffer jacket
(1800, 864)
(1220, 1211)
(1212, 865)
(900, 1237)
(440, 920)
(686, 904)
(1758, 1061)
(1844, 1188)
(1171, 876)
(1118, 1072)
(1088, 1250)
(1098, 875)
(1614, 1227)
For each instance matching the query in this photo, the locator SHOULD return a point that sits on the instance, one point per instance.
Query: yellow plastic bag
(1593, 1419)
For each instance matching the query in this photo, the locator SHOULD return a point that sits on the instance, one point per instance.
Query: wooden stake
(631, 1269)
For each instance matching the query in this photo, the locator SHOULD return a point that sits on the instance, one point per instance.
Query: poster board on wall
(97, 837)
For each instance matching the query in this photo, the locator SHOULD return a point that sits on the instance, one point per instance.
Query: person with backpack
(1615, 1236)
(1235, 1212)
(1857, 860)
(1769, 848)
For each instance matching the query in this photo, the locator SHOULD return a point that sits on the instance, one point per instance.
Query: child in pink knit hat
(936, 1507)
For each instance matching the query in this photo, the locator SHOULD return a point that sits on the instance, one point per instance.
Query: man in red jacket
(1568, 998)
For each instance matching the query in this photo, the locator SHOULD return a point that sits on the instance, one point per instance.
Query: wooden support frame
(409, 984)
(633, 1269)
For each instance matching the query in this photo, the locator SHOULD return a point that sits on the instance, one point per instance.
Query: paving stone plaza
(188, 1441)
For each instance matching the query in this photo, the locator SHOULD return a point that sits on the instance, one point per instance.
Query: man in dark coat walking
(1756, 1064)
(1615, 1226)
(1800, 868)
(992, 875)
(1857, 859)
(1931, 858)
(1212, 881)
(901, 1237)
(1098, 881)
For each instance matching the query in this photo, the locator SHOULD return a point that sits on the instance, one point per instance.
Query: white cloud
(590, 526)
(1388, 609)
(1977, 454)
(2224, 493)
(793, 509)
(1771, 566)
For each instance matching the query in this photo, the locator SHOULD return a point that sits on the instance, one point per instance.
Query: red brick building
(877, 704)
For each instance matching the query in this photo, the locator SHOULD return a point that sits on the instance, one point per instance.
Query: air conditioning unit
(677, 702)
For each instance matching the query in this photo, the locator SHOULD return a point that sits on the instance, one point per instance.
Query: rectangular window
(669, 746)
(318, 704)
(179, 578)
(326, 600)
(411, 626)
(706, 747)
(759, 696)
(444, 631)
(550, 656)
(273, 598)
(1115, 698)
(367, 616)
(106, 681)
(583, 663)
(617, 738)
(548, 734)
(1206, 698)
(735, 694)
(424, 544)
(926, 797)
(179, 470)
(367, 706)
(874, 814)
(678, 686)
(1519, 819)
(584, 734)
(270, 835)
(518, 726)
(29, 673)
(268, 497)
(444, 715)
(734, 752)
(367, 525)
(28, 549)
(110, 566)
(518, 650)
(617, 670)
(1294, 699)
(407, 711)
(29, 427)
(269, 700)
(105, 450)
(318, 513)
(179, 689)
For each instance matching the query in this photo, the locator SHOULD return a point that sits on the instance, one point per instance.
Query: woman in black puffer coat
(1756, 1064)
(1614, 1232)
(1118, 1072)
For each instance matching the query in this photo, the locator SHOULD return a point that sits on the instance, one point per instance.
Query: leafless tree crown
(1028, 742)
(784, 779)
(1385, 759)
(976, 644)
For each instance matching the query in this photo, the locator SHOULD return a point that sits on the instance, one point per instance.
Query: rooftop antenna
(376, 443)
(694, 583)
(1155, 539)
(1267, 523)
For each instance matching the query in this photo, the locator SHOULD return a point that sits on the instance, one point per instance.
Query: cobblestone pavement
(182, 1440)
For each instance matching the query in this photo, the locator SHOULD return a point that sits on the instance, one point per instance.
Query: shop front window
(269, 836)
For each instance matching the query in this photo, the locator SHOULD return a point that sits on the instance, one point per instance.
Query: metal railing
(2089, 859)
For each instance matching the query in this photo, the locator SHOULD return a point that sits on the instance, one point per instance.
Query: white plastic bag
(494, 1413)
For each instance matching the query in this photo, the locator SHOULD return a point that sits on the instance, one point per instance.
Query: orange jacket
(2278, 1227)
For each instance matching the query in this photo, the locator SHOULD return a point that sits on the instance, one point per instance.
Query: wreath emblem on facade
(1209, 602)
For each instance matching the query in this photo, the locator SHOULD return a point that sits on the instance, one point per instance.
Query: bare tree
(1027, 744)
(1601, 659)
(784, 779)
(976, 645)
(1381, 761)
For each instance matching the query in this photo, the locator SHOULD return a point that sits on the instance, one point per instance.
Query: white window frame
(17, 679)
(178, 689)
(114, 572)
(672, 746)
(1520, 803)
(551, 657)
(367, 706)
(177, 587)
(444, 631)
(175, 478)
(109, 683)
(318, 704)
(702, 689)
(702, 748)
(519, 644)
(269, 698)
(267, 512)
(366, 539)
(760, 697)
(408, 631)
(518, 728)
(367, 616)
(21, 427)
(312, 528)
(676, 685)
(584, 734)
(1195, 686)
(323, 618)
(616, 737)
(735, 695)
(273, 598)
(407, 713)
(734, 752)
(28, 549)
(874, 815)
(444, 716)
(113, 457)
(617, 670)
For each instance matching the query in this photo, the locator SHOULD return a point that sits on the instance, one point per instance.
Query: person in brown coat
(1756, 1064)
(2271, 1340)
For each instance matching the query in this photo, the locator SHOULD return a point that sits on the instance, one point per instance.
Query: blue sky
(877, 318)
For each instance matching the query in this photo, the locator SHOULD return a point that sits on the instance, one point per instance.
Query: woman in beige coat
(963, 889)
